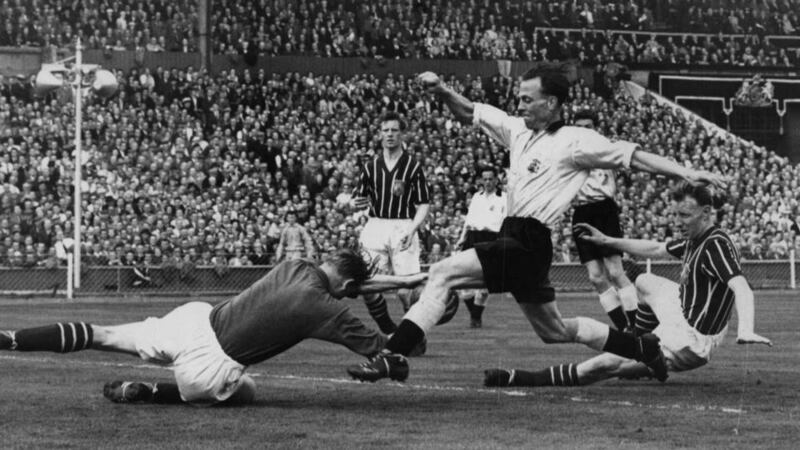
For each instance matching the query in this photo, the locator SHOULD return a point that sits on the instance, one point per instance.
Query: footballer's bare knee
(115, 338)
(646, 284)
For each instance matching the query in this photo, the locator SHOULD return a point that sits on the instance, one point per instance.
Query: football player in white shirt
(595, 205)
(549, 163)
(486, 212)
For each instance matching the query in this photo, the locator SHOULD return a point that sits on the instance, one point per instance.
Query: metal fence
(192, 280)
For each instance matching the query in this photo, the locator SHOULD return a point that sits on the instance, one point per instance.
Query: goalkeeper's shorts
(184, 340)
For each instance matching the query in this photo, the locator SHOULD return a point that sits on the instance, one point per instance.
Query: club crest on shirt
(533, 167)
(398, 188)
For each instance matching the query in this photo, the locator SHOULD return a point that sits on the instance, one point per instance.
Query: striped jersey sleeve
(364, 187)
(421, 190)
(721, 260)
(677, 247)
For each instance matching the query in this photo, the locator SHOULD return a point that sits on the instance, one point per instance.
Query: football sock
(560, 375)
(477, 312)
(618, 318)
(407, 336)
(166, 393)
(481, 299)
(611, 305)
(630, 302)
(646, 320)
(470, 302)
(61, 338)
(620, 344)
(380, 313)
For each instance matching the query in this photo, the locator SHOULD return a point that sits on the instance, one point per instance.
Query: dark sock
(407, 336)
(470, 302)
(631, 316)
(477, 312)
(167, 393)
(61, 338)
(561, 375)
(380, 313)
(620, 344)
(618, 318)
(646, 320)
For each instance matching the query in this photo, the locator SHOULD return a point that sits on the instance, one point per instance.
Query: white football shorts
(381, 239)
(184, 340)
(684, 347)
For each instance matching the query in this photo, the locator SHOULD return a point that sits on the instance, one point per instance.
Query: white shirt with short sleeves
(600, 185)
(486, 211)
(548, 169)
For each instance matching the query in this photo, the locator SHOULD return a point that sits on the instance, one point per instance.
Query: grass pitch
(747, 397)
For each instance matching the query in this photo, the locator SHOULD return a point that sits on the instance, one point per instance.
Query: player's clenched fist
(429, 81)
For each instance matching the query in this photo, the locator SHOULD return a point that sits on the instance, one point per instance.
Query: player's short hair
(554, 81)
(392, 116)
(350, 264)
(585, 114)
(703, 195)
(487, 168)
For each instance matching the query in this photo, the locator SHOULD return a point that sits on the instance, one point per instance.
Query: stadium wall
(190, 280)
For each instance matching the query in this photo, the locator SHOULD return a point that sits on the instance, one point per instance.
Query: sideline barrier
(190, 280)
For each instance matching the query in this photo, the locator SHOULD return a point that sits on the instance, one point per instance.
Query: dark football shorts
(603, 215)
(518, 261)
(477, 236)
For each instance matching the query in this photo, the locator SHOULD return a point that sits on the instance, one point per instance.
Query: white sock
(609, 300)
(592, 333)
(628, 298)
(428, 310)
(481, 297)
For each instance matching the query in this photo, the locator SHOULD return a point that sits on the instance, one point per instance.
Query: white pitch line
(426, 387)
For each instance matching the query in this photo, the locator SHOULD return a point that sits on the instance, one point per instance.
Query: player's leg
(551, 328)
(476, 305)
(662, 296)
(67, 337)
(406, 262)
(373, 241)
(609, 300)
(626, 291)
(460, 270)
(598, 368)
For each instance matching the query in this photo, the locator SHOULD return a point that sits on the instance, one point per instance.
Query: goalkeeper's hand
(752, 338)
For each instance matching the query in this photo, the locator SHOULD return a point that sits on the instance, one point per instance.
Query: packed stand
(186, 169)
(502, 30)
(154, 25)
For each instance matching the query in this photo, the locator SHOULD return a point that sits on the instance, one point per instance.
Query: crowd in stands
(513, 30)
(152, 25)
(469, 29)
(185, 167)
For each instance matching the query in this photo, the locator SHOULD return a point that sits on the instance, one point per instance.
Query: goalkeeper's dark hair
(703, 195)
(350, 264)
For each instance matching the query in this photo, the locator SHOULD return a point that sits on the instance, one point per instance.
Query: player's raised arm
(639, 247)
(650, 162)
(460, 106)
(380, 282)
(745, 311)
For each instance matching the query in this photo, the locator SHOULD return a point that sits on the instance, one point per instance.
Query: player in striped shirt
(394, 188)
(690, 317)
(549, 163)
(209, 347)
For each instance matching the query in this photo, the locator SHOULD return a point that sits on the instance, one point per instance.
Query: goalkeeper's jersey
(291, 303)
